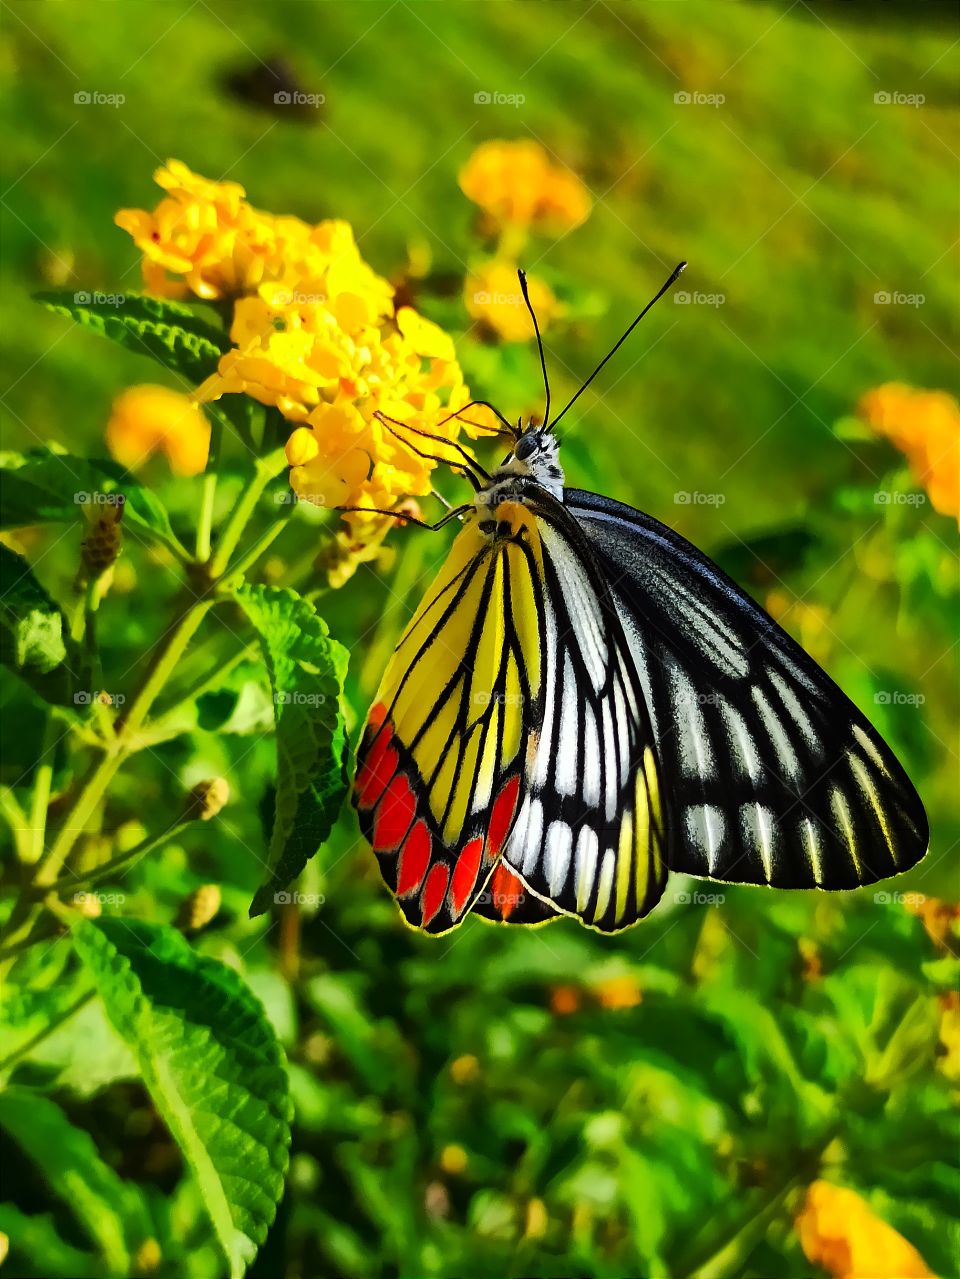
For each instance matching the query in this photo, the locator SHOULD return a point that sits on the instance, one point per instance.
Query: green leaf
(212, 1065)
(34, 622)
(894, 1023)
(307, 670)
(49, 486)
(107, 1209)
(169, 332)
(34, 1243)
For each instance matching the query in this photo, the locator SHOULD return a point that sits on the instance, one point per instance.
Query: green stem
(266, 469)
(165, 658)
(41, 792)
(46, 1030)
(205, 522)
(74, 884)
(209, 492)
(159, 724)
(729, 1258)
(251, 556)
(17, 821)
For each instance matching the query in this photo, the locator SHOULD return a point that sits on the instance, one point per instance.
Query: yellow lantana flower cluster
(925, 426)
(205, 238)
(521, 191)
(840, 1232)
(315, 334)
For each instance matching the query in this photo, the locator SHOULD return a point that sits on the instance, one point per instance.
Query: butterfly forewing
(771, 775)
(589, 836)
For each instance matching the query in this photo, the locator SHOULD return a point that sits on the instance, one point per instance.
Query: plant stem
(123, 861)
(266, 469)
(208, 493)
(728, 1259)
(165, 658)
(46, 1030)
(251, 556)
(41, 793)
(210, 681)
(205, 522)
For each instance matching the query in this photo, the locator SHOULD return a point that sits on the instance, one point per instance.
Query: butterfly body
(584, 702)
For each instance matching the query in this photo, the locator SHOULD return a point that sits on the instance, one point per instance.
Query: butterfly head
(534, 456)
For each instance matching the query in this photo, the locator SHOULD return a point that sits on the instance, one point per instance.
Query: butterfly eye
(527, 445)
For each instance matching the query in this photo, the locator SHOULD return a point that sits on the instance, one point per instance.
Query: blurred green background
(552, 1102)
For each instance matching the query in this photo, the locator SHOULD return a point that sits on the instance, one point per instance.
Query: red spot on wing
(394, 814)
(378, 713)
(414, 859)
(434, 891)
(465, 874)
(501, 815)
(506, 891)
(376, 770)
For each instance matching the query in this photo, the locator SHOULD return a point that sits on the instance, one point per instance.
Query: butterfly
(583, 702)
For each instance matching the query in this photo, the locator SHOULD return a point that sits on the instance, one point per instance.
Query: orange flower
(491, 294)
(145, 419)
(925, 426)
(516, 183)
(564, 1000)
(839, 1230)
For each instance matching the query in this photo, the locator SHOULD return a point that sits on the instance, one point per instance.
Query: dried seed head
(206, 799)
(197, 910)
(101, 546)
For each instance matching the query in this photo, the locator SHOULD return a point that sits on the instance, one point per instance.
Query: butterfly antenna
(536, 328)
(681, 266)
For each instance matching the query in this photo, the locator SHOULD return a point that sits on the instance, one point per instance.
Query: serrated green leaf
(212, 1065)
(49, 486)
(34, 622)
(307, 670)
(169, 332)
(107, 1209)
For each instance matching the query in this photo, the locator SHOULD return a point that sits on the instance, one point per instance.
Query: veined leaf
(33, 621)
(211, 1063)
(49, 486)
(169, 332)
(107, 1209)
(307, 670)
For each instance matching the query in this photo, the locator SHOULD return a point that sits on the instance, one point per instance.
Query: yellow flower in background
(491, 294)
(839, 1231)
(516, 183)
(148, 419)
(925, 426)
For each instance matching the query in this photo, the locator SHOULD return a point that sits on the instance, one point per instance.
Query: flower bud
(302, 447)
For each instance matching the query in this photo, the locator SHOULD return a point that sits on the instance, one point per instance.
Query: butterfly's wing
(440, 763)
(771, 774)
(589, 836)
(508, 753)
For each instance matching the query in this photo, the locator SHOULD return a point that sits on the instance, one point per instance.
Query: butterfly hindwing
(771, 774)
(440, 764)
